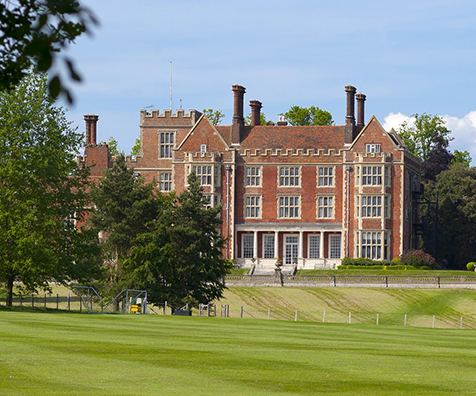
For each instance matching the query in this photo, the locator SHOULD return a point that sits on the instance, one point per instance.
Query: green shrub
(470, 266)
(364, 262)
(418, 258)
(383, 267)
(397, 261)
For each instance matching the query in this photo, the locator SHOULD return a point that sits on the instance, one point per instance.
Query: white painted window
(166, 144)
(371, 206)
(268, 245)
(288, 207)
(314, 243)
(165, 184)
(253, 176)
(325, 176)
(289, 176)
(248, 245)
(290, 249)
(372, 148)
(371, 175)
(325, 207)
(372, 244)
(334, 246)
(253, 206)
(203, 148)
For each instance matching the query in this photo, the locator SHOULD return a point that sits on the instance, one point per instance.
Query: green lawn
(73, 354)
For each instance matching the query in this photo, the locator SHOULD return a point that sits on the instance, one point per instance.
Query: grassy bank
(72, 354)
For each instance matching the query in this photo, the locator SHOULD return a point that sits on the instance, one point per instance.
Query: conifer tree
(179, 259)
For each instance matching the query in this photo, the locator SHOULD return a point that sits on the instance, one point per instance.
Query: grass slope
(448, 305)
(72, 354)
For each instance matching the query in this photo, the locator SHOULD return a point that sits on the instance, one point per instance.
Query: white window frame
(207, 178)
(372, 244)
(269, 243)
(372, 175)
(335, 253)
(371, 206)
(289, 206)
(210, 200)
(325, 176)
(166, 143)
(253, 205)
(253, 176)
(372, 148)
(312, 251)
(293, 259)
(203, 148)
(289, 176)
(325, 206)
(247, 245)
(165, 181)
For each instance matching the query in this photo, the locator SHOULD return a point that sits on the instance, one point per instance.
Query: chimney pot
(91, 128)
(349, 133)
(238, 121)
(255, 112)
(360, 109)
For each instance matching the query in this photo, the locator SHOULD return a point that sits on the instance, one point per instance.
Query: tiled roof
(288, 137)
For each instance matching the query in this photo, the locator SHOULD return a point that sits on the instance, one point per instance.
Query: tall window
(371, 206)
(325, 176)
(268, 246)
(373, 245)
(253, 176)
(334, 246)
(248, 248)
(166, 144)
(210, 200)
(289, 176)
(325, 207)
(371, 175)
(253, 206)
(288, 207)
(166, 181)
(314, 243)
(206, 173)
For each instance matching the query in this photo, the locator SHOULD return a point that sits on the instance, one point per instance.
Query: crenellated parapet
(207, 156)
(291, 153)
(167, 117)
(380, 157)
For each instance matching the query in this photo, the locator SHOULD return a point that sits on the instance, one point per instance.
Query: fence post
(69, 302)
(334, 281)
(80, 305)
(350, 317)
(295, 315)
(269, 312)
(57, 301)
(405, 320)
(45, 300)
(241, 311)
(438, 282)
(461, 322)
(377, 319)
(21, 300)
(165, 308)
(32, 301)
(324, 317)
(386, 281)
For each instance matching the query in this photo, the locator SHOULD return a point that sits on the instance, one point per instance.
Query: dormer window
(203, 148)
(372, 148)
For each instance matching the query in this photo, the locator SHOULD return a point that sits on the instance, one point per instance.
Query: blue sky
(408, 57)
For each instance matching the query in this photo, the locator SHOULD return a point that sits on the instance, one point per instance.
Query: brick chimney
(360, 109)
(238, 121)
(91, 129)
(350, 117)
(255, 112)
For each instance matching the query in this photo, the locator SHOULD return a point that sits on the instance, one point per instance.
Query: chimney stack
(91, 129)
(360, 109)
(255, 112)
(350, 118)
(238, 121)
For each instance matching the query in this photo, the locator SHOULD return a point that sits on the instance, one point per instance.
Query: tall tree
(438, 159)
(123, 206)
(179, 259)
(308, 116)
(454, 191)
(33, 32)
(42, 193)
(215, 116)
(418, 138)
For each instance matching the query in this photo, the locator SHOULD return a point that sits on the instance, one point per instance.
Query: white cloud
(463, 130)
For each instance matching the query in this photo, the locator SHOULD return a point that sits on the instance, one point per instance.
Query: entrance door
(290, 249)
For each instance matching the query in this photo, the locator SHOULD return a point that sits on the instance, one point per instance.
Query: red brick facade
(308, 195)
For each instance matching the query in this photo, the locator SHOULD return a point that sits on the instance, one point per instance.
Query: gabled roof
(287, 137)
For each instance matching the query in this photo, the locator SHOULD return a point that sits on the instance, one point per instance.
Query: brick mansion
(308, 195)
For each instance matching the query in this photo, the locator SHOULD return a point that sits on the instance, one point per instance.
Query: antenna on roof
(170, 85)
